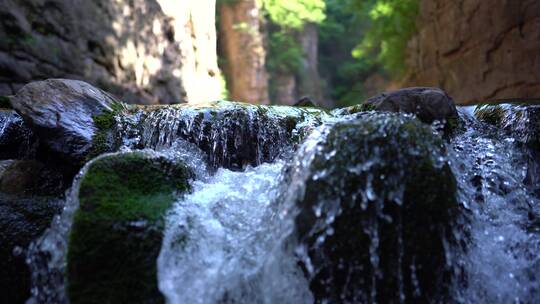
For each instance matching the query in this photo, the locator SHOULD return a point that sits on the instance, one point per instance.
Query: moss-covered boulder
(376, 205)
(117, 231)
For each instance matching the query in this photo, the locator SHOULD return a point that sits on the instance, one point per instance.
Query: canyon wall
(477, 50)
(143, 51)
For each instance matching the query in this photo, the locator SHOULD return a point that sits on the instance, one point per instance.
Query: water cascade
(290, 205)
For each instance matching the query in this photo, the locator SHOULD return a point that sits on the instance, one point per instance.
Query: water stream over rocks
(286, 205)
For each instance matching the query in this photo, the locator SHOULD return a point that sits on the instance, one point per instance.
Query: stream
(231, 239)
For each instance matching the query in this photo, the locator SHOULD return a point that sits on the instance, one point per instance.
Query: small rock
(428, 104)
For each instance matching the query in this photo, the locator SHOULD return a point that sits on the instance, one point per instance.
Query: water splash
(503, 264)
(219, 241)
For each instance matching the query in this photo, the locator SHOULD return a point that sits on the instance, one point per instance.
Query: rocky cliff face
(477, 50)
(144, 51)
(244, 51)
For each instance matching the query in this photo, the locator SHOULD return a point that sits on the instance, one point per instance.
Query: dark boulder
(30, 178)
(377, 207)
(27, 206)
(428, 104)
(22, 220)
(117, 231)
(66, 115)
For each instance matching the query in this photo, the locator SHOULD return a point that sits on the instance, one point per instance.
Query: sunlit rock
(376, 203)
(65, 115)
(117, 231)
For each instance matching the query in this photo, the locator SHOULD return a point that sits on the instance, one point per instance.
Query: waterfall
(503, 262)
(232, 239)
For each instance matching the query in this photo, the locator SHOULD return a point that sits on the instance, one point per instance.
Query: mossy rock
(117, 231)
(377, 206)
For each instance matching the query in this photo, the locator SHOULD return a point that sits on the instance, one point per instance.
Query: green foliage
(285, 53)
(287, 18)
(294, 14)
(338, 36)
(392, 24)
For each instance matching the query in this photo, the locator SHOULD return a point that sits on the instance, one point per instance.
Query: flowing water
(228, 241)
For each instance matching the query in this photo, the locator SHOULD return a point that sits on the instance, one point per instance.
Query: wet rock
(376, 205)
(232, 134)
(428, 104)
(16, 138)
(30, 178)
(65, 115)
(117, 231)
(522, 122)
(22, 219)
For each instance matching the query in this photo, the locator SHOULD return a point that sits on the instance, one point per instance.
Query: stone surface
(22, 219)
(144, 51)
(376, 211)
(62, 114)
(428, 104)
(118, 229)
(477, 50)
(30, 178)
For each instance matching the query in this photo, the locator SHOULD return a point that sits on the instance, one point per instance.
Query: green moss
(117, 231)
(5, 103)
(104, 139)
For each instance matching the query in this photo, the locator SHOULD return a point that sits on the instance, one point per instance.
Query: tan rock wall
(144, 51)
(476, 49)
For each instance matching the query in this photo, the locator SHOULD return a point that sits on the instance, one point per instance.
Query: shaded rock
(16, 138)
(232, 134)
(65, 115)
(428, 104)
(377, 207)
(117, 231)
(30, 178)
(22, 219)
